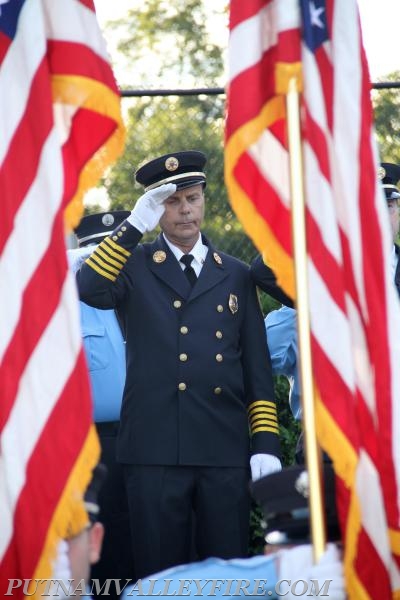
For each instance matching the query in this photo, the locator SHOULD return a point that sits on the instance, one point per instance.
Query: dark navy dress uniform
(198, 397)
(389, 174)
(200, 364)
(264, 277)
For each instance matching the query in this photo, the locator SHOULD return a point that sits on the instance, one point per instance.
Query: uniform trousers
(116, 560)
(163, 501)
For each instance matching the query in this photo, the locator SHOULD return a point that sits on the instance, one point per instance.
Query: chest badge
(159, 256)
(233, 303)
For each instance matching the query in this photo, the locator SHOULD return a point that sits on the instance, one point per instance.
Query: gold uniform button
(182, 387)
(219, 358)
(218, 334)
(123, 228)
(183, 357)
(177, 303)
(217, 390)
(220, 308)
(184, 330)
(120, 234)
(115, 237)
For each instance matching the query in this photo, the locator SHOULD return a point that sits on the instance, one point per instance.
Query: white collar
(199, 251)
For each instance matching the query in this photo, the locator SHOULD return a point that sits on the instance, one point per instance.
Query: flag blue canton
(315, 30)
(9, 14)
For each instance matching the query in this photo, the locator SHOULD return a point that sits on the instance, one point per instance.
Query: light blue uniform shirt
(281, 330)
(105, 351)
(251, 577)
(105, 355)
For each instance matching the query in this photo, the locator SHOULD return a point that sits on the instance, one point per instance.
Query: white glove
(149, 209)
(264, 464)
(77, 256)
(297, 564)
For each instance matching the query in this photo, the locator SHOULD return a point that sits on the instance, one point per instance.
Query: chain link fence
(163, 121)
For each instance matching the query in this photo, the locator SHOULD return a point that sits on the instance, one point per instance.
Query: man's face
(183, 216)
(394, 215)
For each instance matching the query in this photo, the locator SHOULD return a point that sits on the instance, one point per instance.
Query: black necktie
(190, 273)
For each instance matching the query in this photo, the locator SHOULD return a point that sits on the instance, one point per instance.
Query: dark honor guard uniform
(389, 175)
(265, 278)
(198, 377)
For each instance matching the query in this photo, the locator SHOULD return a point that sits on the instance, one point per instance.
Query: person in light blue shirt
(281, 328)
(105, 356)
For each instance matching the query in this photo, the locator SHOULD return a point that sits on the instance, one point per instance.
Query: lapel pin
(159, 256)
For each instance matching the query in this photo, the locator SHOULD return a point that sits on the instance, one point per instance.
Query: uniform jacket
(198, 377)
(265, 278)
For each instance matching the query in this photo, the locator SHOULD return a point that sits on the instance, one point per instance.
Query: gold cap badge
(159, 256)
(172, 163)
(217, 258)
(381, 172)
(233, 303)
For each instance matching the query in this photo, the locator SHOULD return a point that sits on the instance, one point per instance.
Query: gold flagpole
(312, 451)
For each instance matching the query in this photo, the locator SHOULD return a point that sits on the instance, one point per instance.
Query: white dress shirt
(199, 253)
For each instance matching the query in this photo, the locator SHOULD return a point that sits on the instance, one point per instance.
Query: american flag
(354, 310)
(60, 127)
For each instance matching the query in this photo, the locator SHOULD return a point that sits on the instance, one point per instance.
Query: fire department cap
(185, 169)
(389, 174)
(283, 498)
(93, 228)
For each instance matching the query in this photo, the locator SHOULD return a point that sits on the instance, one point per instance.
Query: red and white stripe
(355, 316)
(45, 409)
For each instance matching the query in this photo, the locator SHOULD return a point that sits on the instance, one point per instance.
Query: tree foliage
(176, 35)
(173, 37)
(386, 104)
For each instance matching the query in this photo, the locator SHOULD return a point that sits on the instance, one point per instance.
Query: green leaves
(386, 104)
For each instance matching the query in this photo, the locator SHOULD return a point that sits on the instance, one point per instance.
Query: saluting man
(198, 400)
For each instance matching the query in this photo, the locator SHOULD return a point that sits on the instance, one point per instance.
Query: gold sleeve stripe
(267, 429)
(273, 418)
(117, 263)
(102, 264)
(108, 241)
(112, 252)
(99, 270)
(261, 403)
(257, 422)
(115, 252)
(262, 411)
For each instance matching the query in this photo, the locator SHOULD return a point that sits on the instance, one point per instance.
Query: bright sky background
(380, 21)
